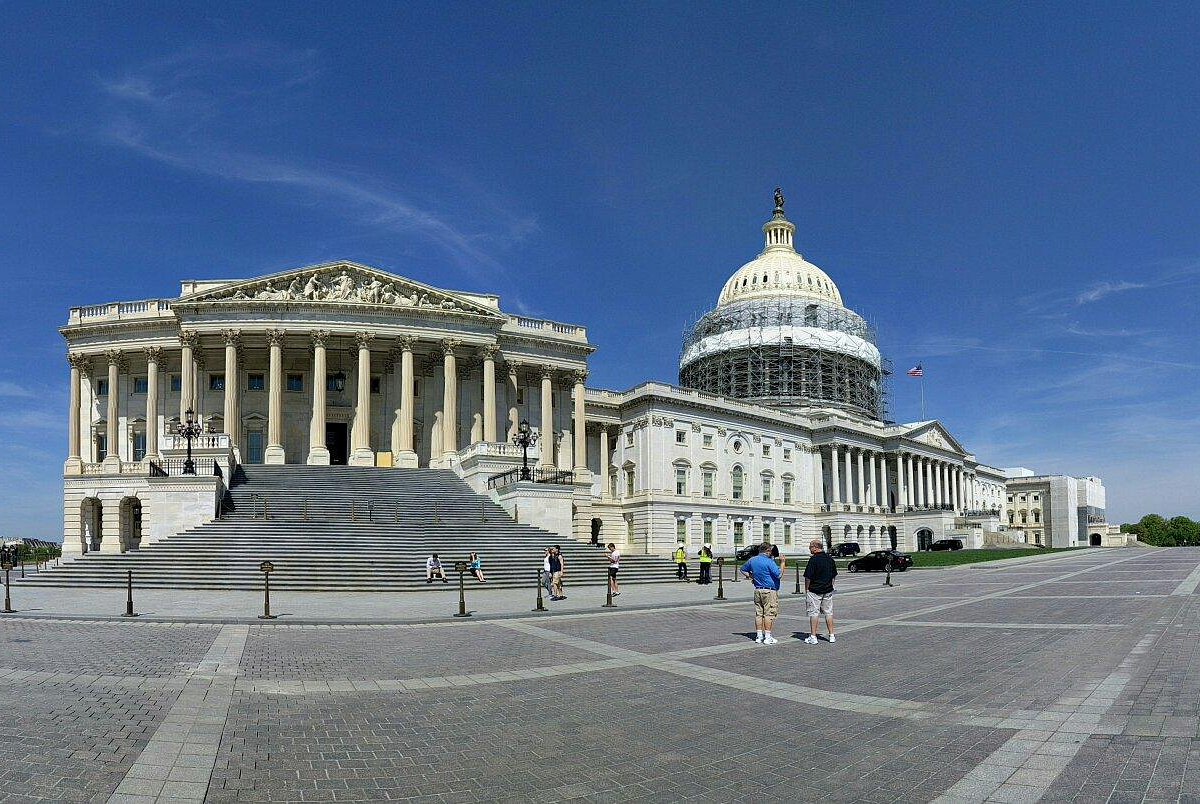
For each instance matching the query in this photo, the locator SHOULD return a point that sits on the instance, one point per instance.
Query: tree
(1154, 529)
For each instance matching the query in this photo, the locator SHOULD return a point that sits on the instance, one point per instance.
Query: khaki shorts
(766, 603)
(819, 604)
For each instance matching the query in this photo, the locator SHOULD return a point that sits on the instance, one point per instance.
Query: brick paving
(1076, 679)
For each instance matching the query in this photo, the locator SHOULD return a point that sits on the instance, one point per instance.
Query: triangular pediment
(341, 283)
(935, 435)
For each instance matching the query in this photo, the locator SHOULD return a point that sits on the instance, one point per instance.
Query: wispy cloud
(1101, 289)
(12, 389)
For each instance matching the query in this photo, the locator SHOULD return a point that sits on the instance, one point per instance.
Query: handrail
(564, 477)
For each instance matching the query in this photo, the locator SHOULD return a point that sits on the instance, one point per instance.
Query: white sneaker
(770, 640)
(758, 640)
(832, 638)
(811, 639)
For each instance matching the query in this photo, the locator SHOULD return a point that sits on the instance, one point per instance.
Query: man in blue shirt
(764, 573)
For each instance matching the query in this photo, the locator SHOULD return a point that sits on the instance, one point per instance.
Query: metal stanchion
(461, 566)
(720, 579)
(7, 566)
(129, 595)
(608, 604)
(541, 606)
(799, 588)
(887, 581)
(266, 568)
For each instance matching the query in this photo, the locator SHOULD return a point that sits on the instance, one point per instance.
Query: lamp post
(524, 439)
(190, 429)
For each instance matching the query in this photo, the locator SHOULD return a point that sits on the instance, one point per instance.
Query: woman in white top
(614, 564)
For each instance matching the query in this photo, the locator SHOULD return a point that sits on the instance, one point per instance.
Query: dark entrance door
(924, 539)
(337, 441)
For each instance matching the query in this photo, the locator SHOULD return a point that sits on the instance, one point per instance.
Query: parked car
(881, 561)
(746, 553)
(846, 549)
(947, 544)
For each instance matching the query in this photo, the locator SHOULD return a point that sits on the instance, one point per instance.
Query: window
(708, 531)
(766, 450)
(612, 485)
(101, 387)
(766, 531)
(1037, 516)
(629, 438)
(681, 436)
(216, 382)
(628, 482)
(256, 382)
(787, 453)
(254, 446)
(738, 479)
(708, 441)
(101, 446)
(766, 489)
(737, 446)
(787, 533)
(139, 445)
(140, 386)
(709, 476)
(1022, 498)
(1024, 518)
(1011, 518)
(295, 382)
(787, 491)
(417, 389)
(681, 480)
(681, 531)
(1037, 497)
(1010, 497)
(739, 534)
(375, 385)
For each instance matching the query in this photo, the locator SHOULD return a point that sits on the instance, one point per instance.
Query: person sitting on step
(433, 569)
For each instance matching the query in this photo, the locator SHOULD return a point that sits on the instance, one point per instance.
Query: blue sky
(1009, 191)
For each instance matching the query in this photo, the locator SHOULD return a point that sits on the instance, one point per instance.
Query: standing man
(681, 571)
(557, 570)
(765, 575)
(818, 590)
(614, 566)
(705, 558)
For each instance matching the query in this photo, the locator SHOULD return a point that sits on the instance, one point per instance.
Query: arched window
(1024, 517)
(737, 478)
(1037, 515)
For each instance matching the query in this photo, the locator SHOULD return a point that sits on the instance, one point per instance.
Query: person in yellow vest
(705, 558)
(681, 567)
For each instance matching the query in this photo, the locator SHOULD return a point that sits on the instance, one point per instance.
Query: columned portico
(362, 454)
(275, 452)
(318, 451)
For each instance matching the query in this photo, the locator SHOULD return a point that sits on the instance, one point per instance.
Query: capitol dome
(781, 336)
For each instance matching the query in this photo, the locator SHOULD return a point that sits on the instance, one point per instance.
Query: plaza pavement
(1067, 679)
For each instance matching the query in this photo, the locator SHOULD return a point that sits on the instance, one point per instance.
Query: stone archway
(130, 523)
(827, 535)
(891, 532)
(924, 539)
(91, 523)
(1095, 540)
(597, 526)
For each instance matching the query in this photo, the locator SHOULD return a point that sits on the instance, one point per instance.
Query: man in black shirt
(818, 590)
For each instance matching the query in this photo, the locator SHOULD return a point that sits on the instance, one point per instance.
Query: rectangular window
(787, 491)
(739, 534)
(787, 533)
(766, 489)
(766, 450)
(375, 385)
(140, 385)
(681, 531)
(766, 531)
(628, 482)
(681, 436)
(417, 388)
(139, 445)
(737, 485)
(101, 387)
(520, 395)
(101, 446)
(709, 477)
(254, 446)
(176, 383)
(256, 382)
(708, 531)
(787, 453)
(216, 382)
(612, 485)
(708, 440)
(629, 438)
(295, 382)
(680, 480)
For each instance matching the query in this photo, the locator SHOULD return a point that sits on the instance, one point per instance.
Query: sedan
(881, 561)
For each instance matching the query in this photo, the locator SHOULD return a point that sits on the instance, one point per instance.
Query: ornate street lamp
(190, 429)
(523, 439)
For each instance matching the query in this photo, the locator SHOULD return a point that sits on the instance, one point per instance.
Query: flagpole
(922, 396)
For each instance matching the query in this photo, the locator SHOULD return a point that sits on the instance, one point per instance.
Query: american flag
(916, 371)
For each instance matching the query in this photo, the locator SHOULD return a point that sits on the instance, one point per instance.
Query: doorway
(1095, 540)
(337, 441)
(924, 539)
(596, 525)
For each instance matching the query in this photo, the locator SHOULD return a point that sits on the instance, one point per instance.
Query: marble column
(872, 481)
(860, 495)
(818, 473)
(901, 485)
(449, 401)
(187, 374)
(74, 464)
(113, 459)
(546, 438)
(958, 489)
(154, 356)
(514, 414)
(362, 454)
(318, 450)
(231, 412)
(274, 453)
(881, 460)
(489, 391)
(603, 463)
(580, 423)
(849, 469)
(835, 493)
(406, 456)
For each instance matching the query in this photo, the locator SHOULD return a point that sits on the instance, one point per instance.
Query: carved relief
(154, 354)
(320, 337)
(363, 339)
(489, 351)
(580, 376)
(189, 339)
(233, 337)
(274, 337)
(81, 362)
(405, 343)
(116, 358)
(448, 345)
(547, 372)
(663, 421)
(342, 284)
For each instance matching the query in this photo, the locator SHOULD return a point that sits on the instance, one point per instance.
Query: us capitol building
(776, 431)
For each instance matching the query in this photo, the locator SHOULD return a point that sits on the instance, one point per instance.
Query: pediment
(935, 435)
(341, 283)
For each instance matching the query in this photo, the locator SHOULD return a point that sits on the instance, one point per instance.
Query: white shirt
(614, 559)
(432, 563)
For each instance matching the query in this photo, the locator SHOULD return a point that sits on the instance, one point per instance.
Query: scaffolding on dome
(742, 351)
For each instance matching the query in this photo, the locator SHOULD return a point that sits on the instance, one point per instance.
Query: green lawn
(950, 558)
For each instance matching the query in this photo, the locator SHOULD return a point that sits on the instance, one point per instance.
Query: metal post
(608, 604)
(461, 566)
(266, 615)
(799, 589)
(720, 579)
(129, 595)
(8, 609)
(541, 605)
(21, 560)
(887, 581)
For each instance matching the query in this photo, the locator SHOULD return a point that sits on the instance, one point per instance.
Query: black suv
(846, 549)
(947, 544)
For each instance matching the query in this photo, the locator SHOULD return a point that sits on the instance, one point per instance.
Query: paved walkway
(1072, 679)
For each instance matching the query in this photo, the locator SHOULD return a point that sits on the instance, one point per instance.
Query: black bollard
(461, 566)
(799, 588)
(887, 581)
(608, 604)
(8, 609)
(720, 579)
(129, 595)
(541, 605)
(266, 568)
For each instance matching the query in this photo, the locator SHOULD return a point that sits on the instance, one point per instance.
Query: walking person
(705, 558)
(764, 573)
(614, 566)
(433, 569)
(557, 570)
(818, 590)
(475, 564)
(546, 574)
(681, 567)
